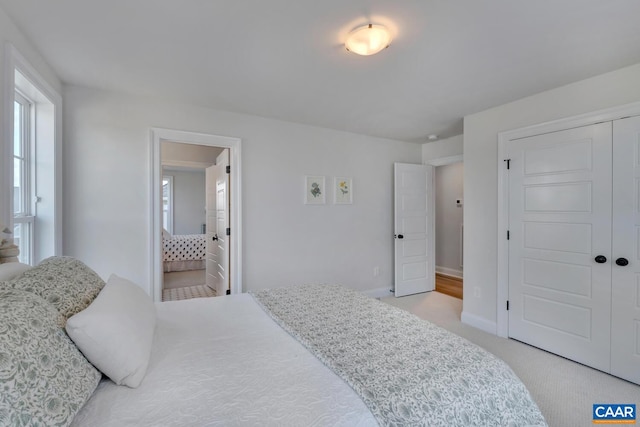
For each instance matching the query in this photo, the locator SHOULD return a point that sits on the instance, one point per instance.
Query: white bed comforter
(224, 362)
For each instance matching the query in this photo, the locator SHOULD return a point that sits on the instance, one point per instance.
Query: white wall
(176, 152)
(188, 200)
(9, 33)
(481, 168)
(449, 189)
(285, 241)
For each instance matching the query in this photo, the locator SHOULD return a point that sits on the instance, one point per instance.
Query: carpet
(187, 292)
(565, 391)
(179, 279)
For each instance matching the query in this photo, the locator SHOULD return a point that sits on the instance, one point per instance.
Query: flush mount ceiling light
(368, 40)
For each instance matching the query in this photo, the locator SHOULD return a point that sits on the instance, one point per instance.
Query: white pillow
(115, 332)
(9, 270)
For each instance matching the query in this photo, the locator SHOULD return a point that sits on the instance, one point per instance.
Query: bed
(321, 355)
(182, 252)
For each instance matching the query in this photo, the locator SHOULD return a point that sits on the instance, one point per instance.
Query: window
(33, 195)
(167, 203)
(23, 211)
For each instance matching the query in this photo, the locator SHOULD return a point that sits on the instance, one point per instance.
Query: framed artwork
(342, 190)
(314, 190)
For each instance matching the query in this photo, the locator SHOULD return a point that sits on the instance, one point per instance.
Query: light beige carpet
(187, 292)
(564, 390)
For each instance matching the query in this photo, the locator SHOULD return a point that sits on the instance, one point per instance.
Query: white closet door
(559, 221)
(625, 329)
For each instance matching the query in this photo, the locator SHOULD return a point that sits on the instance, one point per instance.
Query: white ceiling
(284, 59)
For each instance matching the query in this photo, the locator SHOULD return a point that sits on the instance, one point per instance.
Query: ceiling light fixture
(368, 40)
(432, 137)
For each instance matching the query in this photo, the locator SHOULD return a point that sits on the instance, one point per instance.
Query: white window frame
(20, 74)
(169, 219)
(25, 217)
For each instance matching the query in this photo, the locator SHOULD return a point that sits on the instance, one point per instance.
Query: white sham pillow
(9, 270)
(115, 332)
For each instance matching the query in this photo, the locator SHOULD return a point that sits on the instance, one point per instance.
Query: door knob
(601, 259)
(400, 236)
(215, 237)
(622, 262)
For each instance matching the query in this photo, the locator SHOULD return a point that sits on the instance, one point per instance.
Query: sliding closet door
(625, 328)
(560, 225)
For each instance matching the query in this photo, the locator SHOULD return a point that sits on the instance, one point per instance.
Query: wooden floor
(449, 285)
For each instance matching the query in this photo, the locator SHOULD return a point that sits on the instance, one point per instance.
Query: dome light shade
(368, 40)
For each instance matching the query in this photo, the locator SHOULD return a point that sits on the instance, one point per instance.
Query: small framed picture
(342, 190)
(314, 190)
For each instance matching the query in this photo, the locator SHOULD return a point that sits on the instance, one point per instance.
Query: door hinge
(228, 232)
(508, 234)
(228, 169)
(508, 163)
(507, 305)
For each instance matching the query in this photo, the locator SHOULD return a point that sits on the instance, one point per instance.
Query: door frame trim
(502, 290)
(157, 135)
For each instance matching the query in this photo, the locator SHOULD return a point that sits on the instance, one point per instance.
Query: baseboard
(449, 272)
(379, 293)
(479, 322)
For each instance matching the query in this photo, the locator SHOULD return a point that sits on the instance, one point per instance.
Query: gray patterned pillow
(65, 282)
(44, 379)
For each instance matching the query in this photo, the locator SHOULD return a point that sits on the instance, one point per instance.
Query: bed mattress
(225, 362)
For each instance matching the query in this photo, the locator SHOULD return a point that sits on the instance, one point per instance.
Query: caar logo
(606, 413)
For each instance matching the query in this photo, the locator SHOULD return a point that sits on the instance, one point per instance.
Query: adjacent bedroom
(184, 219)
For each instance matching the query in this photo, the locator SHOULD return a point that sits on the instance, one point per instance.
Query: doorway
(585, 291)
(449, 227)
(448, 186)
(184, 232)
(183, 141)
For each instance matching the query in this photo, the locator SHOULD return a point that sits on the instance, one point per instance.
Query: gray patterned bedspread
(408, 371)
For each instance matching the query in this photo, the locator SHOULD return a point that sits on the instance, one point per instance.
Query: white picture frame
(314, 190)
(342, 190)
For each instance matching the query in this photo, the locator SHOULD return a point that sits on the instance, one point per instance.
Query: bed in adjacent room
(320, 355)
(183, 252)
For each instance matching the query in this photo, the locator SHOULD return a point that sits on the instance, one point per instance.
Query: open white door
(211, 264)
(414, 229)
(222, 222)
(217, 264)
